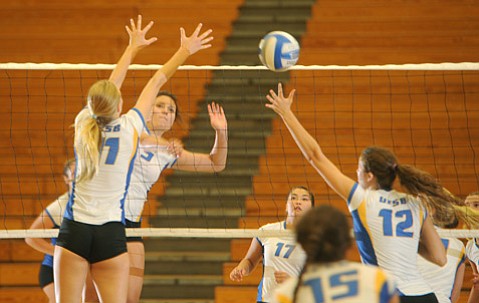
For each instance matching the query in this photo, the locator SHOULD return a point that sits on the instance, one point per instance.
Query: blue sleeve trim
(352, 193)
(50, 216)
(142, 119)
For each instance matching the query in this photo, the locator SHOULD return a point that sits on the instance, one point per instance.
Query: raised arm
(137, 43)
(310, 148)
(215, 161)
(189, 46)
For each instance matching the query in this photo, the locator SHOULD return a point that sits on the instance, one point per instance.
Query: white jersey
(472, 252)
(56, 209)
(279, 254)
(149, 164)
(387, 227)
(339, 282)
(101, 199)
(442, 279)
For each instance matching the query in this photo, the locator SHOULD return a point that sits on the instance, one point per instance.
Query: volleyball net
(426, 113)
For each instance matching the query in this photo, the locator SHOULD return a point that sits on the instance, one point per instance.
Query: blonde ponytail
(103, 103)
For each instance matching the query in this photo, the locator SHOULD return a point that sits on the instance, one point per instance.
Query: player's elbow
(442, 261)
(219, 167)
(29, 241)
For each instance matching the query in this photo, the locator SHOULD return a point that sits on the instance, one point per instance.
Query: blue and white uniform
(101, 199)
(472, 252)
(342, 281)
(387, 227)
(279, 254)
(442, 279)
(149, 164)
(55, 211)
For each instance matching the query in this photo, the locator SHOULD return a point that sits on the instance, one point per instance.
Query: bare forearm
(306, 143)
(40, 245)
(148, 95)
(219, 151)
(119, 72)
(247, 265)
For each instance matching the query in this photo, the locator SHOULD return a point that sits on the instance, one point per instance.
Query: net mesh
(425, 113)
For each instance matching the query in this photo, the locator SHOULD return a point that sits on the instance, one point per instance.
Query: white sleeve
(135, 117)
(356, 196)
(56, 209)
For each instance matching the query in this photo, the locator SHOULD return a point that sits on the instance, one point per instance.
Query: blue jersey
(387, 227)
(101, 199)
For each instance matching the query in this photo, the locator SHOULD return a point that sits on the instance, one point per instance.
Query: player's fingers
(291, 94)
(280, 90)
(203, 41)
(151, 40)
(270, 99)
(148, 26)
(197, 30)
(132, 23)
(138, 22)
(205, 34)
(273, 94)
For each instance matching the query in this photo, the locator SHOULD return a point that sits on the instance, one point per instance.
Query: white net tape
(203, 233)
(68, 66)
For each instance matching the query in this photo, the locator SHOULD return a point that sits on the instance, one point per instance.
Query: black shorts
(131, 224)
(429, 298)
(45, 275)
(94, 243)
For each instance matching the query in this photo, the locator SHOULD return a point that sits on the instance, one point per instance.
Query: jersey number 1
(113, 144)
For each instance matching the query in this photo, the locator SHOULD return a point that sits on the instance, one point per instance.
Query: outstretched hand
(217, 116)
(278, 102)
(137, 35)
(194, 42)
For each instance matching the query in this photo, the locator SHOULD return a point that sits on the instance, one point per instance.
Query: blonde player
(92, 234)
(446, 281)
(324, 234)
(390, 227)
(472, 251)
(282, 256)
(156, 154)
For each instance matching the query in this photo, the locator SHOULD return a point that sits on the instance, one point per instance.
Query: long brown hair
(325, 236)
(103, 101)
(383, 164)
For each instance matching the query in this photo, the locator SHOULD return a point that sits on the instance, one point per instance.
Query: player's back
(338, 282)
(387, 226)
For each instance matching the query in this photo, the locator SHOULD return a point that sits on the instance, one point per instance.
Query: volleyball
(278, 51)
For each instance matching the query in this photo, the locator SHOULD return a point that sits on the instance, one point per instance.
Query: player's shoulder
(274, 226)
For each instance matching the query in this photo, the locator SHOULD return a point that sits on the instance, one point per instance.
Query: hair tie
(90, 109)
(395, 167)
